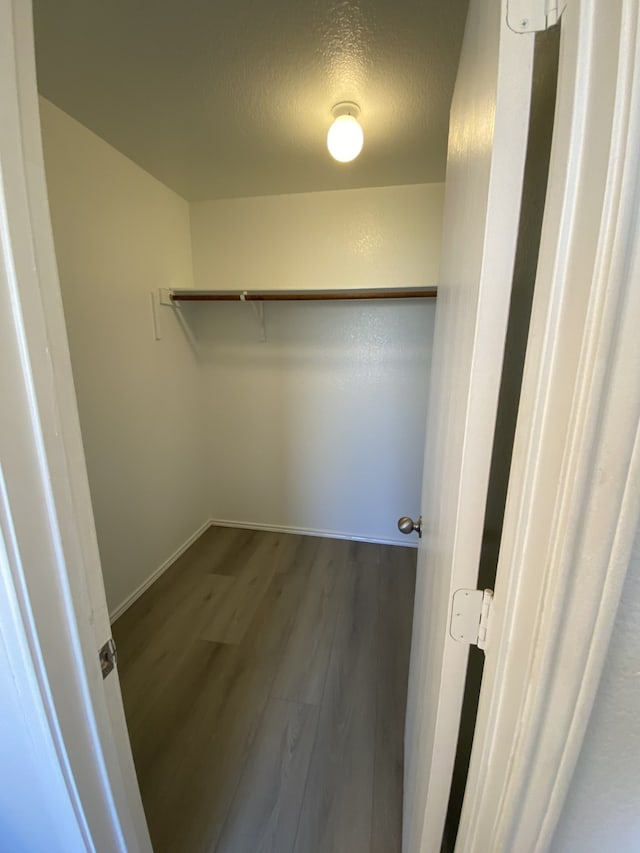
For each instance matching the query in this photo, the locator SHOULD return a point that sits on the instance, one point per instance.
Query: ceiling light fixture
(345, 137)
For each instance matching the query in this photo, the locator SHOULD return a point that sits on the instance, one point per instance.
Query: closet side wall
(320, 428)
(119, 235)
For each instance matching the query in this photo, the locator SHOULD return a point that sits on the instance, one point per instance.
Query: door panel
(485, 163)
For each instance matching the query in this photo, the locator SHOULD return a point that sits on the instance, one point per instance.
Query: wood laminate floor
(264, 679)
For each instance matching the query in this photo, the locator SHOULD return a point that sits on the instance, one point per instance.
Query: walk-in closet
(251, 328)
(318, 435)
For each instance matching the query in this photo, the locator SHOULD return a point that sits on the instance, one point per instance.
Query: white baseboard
(310, 531)
(144, 586)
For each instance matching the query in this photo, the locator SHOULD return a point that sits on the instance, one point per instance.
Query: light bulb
(345, 138)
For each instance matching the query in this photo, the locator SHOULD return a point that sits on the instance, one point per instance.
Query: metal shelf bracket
(258, 310)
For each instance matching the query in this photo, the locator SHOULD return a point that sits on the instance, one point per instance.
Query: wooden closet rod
(301, 295)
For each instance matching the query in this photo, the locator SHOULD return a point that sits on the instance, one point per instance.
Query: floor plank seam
(268, 696)
(293, 701)
(315, 737)
(243, 767)
(249, 748)
(377, 709)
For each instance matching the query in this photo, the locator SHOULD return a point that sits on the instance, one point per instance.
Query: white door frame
(47, 536)
(573, 500)
(574, 494)
(489, 122)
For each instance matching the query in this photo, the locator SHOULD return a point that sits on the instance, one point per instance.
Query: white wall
(322, 427)
(377, 237)
(120, 234)
(602, 811)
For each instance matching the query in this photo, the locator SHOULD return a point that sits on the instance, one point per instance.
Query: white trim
(153, 577)
(533, 16)
(313, 531)
(574, 496)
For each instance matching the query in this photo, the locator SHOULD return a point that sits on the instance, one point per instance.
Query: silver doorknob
(408, 525)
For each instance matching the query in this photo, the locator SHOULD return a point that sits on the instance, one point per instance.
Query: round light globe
(345, 139)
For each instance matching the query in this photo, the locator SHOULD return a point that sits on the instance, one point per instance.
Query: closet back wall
(320, 428)
(373, 237)
(120, 234)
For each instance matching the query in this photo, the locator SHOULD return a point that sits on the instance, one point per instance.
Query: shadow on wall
(322, 426)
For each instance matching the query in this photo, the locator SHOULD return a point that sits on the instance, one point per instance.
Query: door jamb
(574, 494)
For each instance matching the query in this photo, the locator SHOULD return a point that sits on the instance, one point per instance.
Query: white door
(485, 164)
(52, 570)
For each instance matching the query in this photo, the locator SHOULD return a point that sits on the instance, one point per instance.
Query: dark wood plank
(216, 547)
(336, 810)
(233, 605)
(303, 668)
(240, 549)
(238, 592)
(397, 570)
(295, 553)
(146, 619)
(263, 817)
(151, 664)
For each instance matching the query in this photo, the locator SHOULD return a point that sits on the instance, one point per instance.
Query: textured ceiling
(226, 99)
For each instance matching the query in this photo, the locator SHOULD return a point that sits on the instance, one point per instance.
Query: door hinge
(533, 16)
(470, 614)
(108, 657)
